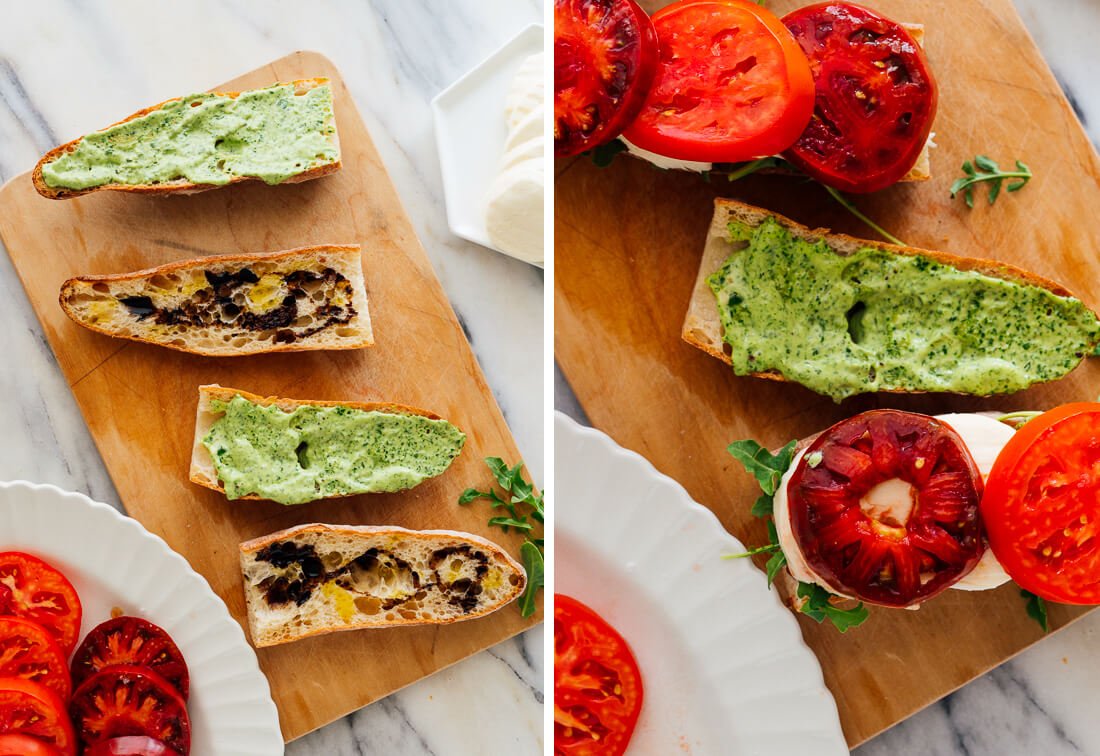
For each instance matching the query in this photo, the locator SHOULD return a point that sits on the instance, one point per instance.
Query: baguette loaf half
(315, 579)
(232, 149)
(231, 305)
(702, 327)
(293, 447)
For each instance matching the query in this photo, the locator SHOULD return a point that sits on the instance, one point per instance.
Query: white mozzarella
(667, 163)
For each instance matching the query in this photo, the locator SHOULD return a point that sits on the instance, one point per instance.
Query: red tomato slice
(597, 684)
(875, 97)
(27, 708)
(132, 745)
(732, 84)
(122, 701)
(1042, 505)
(889, 513)
(32, 589)
(131, 641)
(24, 745)
(605, 53)
(28, 651)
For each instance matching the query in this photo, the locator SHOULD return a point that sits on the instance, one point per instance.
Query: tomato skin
(30, 652)
(605, 55)
(875, 97)
(732, 84)
(130, 745)
(27, 708)
(32, 589)
(597, 683)
(131, 641)
(121, 701)
(1042, 505)
(24, 745)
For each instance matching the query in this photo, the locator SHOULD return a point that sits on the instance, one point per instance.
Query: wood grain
(628, 243)
(139, 400)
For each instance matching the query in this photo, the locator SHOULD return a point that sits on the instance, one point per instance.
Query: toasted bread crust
(499, 554)
(68, 290)
(202, 467)
(179, 186)
(702, 326)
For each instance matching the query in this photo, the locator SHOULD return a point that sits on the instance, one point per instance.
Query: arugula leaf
(604, 154)
(1036, 609)
(818, 608)
(536, 576)
(766, 467)
(777, 562)
(764, 506)
(738, 171)
(504, 523)
(753, 552)
(985, 169)
(851, 208)
(472, 494)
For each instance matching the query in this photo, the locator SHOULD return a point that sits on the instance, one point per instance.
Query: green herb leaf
(603, 155)
(774, 565)
(533, 565)
(991, 173)
(753, 552)
(851, 208)
(738, 171)
(818, 608)
(519, 523)
(1036, 609)
(766, 467)
(500, 471)
(472, 494)
(764, 506)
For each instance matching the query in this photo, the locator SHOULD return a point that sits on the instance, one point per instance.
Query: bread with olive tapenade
(314, 579)
(224, 162)
(980, 348)
(299, 462)
(231, 305)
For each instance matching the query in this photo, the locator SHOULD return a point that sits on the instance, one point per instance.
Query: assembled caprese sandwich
(891, 508)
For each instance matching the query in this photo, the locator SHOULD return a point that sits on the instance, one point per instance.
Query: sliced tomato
(121, 701)
(605, 53)
(875, 97)
(1042, 505)
(131, 745)
(24, 745)
(732, 84)
(597, 683)
(27, 708)
(135, 642)
(32, 589)
(30, 652)
(884, 507)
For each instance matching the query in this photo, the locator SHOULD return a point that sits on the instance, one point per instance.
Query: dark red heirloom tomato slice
(32, 589)
(1042, 505)
(131, 745)
(889, 512)
(605, 53)
(135, 642)
(123, 701)
(875, 97)
(27, 708)
(597, 684)
(24, 745)
(28, 651)
(732, 84)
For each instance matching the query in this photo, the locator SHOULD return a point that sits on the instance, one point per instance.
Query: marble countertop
(69, 67)
(1045, 700)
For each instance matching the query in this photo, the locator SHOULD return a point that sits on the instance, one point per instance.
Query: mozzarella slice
(671, 164)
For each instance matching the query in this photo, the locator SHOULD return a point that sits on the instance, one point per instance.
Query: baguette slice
(366, 576)
(702, 327)
(230, 305)
(318, 168)
(204, 473)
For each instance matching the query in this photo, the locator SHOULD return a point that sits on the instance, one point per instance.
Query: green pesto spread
(871, 321)
(269, 134)
(318, 451)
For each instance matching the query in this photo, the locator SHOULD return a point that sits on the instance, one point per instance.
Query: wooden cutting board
(139, 400)
(628, 242)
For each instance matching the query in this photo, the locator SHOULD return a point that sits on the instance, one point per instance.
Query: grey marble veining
(70, 66)
(1044, 702)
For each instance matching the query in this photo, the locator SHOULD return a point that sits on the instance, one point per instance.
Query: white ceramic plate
(724, 667)
(113, 561)
(470, 132)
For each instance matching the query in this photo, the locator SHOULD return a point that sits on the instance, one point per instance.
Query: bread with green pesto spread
(315, 579)
(281, 134)
(295, 451)
(845, 316)
(232, 305)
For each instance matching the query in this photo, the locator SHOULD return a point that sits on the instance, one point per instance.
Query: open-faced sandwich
(891, 508)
